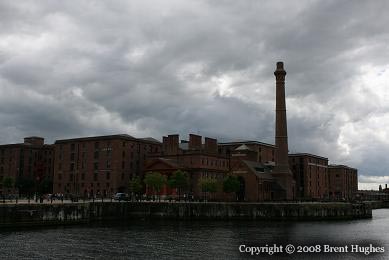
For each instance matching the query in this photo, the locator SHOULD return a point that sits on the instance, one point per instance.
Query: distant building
(311, 175)
(369, 195)
(200, 160)
(101, 164)
(28, 164)
(343, 182)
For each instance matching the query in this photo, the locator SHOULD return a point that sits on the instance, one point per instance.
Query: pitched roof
(243, 147)
(149, 139)
(246, 142)
(262, 171)
(169, 162)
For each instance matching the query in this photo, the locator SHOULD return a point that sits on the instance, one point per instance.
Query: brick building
(254, 172)
(311, 175)
(265, 153)
(101, 164)
(343, 182)
(200, 160)
(28, 164)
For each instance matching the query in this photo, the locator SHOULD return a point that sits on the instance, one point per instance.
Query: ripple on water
(195, 240)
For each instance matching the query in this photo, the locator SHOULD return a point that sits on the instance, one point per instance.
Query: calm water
(195, 240)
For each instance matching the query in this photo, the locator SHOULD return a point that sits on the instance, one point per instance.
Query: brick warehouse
(200, 160)
(311, 175)
(101, 164)
(28, 164)
(343, 182)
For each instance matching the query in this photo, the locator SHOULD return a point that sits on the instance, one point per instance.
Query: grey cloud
(154, 68)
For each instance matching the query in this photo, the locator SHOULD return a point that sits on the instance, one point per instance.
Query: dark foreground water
(196, 240)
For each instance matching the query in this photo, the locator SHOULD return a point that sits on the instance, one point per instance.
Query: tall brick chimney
(281, 170)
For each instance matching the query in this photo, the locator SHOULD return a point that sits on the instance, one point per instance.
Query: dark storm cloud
(156, 67)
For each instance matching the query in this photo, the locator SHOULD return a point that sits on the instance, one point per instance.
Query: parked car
(120, 196)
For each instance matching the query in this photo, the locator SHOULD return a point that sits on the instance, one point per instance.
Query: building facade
(199, 159)
(100, 165)
(265, 153)
(256, 180)
(29, 165)
(343, 182)
(311, 175)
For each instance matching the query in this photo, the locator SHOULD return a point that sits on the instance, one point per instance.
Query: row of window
(96, 165)
(146, 147)
(95, 176)
(82, 184)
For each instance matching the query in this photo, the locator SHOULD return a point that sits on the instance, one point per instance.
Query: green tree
(155, 181)
(231, 184)
(135, 186)
(208, 185)
(8, 183)
(179, 180)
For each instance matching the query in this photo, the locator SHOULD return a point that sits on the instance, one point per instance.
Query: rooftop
(308, 155)
(108, 137)
(341, 166)
(237, 142)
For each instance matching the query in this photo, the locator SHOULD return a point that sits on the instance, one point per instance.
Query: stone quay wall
(14, 215)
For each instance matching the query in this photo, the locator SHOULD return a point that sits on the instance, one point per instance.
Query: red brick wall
(311, 175)
(195, 142)
(28, 161)
(99, 165)
(343, 182)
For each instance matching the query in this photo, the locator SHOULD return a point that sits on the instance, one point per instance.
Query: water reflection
(195, 240)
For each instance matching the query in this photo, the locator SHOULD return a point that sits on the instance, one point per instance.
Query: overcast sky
(151, 68)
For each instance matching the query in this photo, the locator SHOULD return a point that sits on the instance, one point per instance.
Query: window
(108, 175)
(96, 155)
(72, 167)
(123, 164)
(72, 156)
(97, 145)
(95, 176)
(96, 166)
(72, 147)
(108, 164)
(83, 176)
